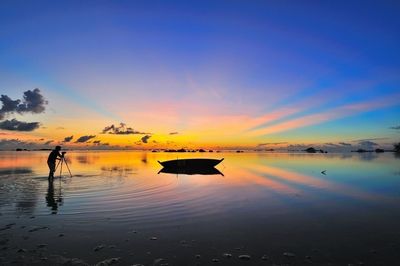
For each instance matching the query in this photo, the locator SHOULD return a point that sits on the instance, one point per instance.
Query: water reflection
(18, 189)
(54, 199)
(280, 197)
(191, 171)
(15, 171)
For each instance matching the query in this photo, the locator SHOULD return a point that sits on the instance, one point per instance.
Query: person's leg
(52, 167)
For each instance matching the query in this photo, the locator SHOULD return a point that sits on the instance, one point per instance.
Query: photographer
(51, 160)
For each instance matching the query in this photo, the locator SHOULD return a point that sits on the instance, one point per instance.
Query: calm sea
(277, 208)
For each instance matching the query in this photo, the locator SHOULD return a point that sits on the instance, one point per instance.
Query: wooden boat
(197, 163)
(191, 171)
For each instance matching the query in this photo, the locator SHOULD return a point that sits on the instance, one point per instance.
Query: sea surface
(274, 208)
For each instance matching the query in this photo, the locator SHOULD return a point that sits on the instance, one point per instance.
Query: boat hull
(198, 163)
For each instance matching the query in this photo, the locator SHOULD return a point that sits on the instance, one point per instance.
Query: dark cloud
(48, 142)
(395, 127)
(173, 133)
(96, 142)
(16, 125)
(144, 139)
(68, 139)
(83, 139)
(9, 105)
(344, 144)
(33, 102)
(122, 129)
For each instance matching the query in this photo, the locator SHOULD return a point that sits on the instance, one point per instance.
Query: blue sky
(209, 70)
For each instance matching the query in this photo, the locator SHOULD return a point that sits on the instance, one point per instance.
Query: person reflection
(52, 201)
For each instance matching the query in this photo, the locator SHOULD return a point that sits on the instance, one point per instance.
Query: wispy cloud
(369, 139)
(328, 115)
(270, 143)
(345, 144)
(173, 133)
(395, 127)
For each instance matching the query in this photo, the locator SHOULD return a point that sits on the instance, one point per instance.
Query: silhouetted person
(51, 161)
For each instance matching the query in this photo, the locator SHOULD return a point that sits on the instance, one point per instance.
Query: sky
(199, 74)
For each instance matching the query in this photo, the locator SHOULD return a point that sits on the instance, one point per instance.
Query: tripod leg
(61, 167)
(68, 168)
(57, 165)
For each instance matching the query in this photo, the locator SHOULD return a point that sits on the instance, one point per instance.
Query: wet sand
(267, 209)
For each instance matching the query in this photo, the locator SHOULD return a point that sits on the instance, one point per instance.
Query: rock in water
(227, 255)
(244, 257)
(99, 247)
(108, 262)
(289, 254)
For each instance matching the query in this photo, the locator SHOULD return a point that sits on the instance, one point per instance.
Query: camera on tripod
(63, 153)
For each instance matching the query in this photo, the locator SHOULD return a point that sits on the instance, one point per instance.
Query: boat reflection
(191, 171)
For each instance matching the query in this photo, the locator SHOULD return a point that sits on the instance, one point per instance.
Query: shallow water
(264, 204)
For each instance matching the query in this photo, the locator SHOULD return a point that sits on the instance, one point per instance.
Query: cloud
(96, 142)
(331, 144)
(122, 129)
(33, 102)
(344, 144)
(68, 139)
(48, 142)
(371, 139)
(270, 143)
(10, 143)
(9, 105)
(173, 133)
(83, 139)
(16, 125)
(395, 127)
(145, 138)
(368, 144)
(327, 115)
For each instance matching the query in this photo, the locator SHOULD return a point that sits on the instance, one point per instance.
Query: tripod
(61, 162)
